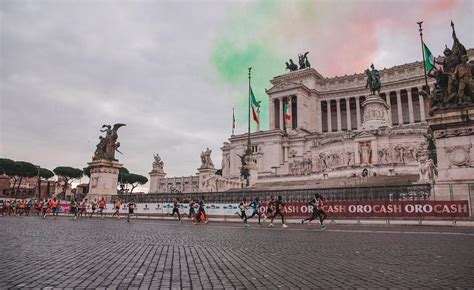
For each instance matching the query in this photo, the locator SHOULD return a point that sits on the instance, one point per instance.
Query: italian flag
(286, 114)
(429, 58)
(255, 106)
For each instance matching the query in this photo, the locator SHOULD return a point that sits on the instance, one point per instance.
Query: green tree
(6, 166)
(68, 174)
(87, 171)
(134, 180)
(122, 171)
(22, 169)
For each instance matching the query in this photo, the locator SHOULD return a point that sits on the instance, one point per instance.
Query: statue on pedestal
(427, 168)
(373, 80)
(302, 61)
(108, 144)
(206, 161)
(158, 164)
(454, 84)
(291, 66)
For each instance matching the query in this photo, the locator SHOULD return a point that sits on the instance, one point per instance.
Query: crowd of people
(197, 212)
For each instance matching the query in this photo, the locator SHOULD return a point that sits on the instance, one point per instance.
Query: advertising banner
(343, 209)
(425, 208)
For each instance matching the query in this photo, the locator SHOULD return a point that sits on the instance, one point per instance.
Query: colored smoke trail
(343, 37)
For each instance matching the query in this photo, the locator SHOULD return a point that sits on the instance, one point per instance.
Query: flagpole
(250, 100)
(233, 121)
(423, 54)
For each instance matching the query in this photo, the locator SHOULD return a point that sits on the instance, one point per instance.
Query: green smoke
(243, 44)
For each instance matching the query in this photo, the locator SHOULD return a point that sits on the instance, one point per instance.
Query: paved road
(113, 253)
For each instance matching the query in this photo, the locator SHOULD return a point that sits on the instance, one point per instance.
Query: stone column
(387, 99)
(411, 115)
(358, 112)
(272, 113)
(348, 114)
(399, 108)
(338, 110)
(319, 104)
(281, 114)
(328, 104)
(422, 106)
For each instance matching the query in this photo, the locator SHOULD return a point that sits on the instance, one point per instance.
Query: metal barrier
(391, 193)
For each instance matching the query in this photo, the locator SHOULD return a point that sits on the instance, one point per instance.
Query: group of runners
(197, 212)
(276, 208)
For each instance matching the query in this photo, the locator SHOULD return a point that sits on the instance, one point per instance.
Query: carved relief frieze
(459, 156)
(453, 132)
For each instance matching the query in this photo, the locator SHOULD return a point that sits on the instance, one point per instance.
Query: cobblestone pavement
(94, 253)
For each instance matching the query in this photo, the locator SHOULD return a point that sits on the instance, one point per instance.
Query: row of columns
(338, 125)
(279, 112)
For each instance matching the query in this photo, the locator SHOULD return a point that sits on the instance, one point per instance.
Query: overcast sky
(173, 70)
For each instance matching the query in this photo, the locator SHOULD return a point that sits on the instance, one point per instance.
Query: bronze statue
(244, 171)
(454, 84)
(108, 144)
(303, 60)
(463, 77)
(373, 80)
(291, 66)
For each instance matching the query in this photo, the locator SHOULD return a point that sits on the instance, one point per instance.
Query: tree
(22, 169)
(134, 180)
(87, 171)
(45, 173)
(122, 171)
(6, 166)
(68, 174)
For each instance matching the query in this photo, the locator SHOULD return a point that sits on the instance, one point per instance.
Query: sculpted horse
(372, 82)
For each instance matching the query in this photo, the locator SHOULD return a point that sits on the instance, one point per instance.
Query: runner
(176, 210)
(317, 203)
(21, 207)
(5, 207)
(270, 208)
(29, 205)
(93, 207)
(82, 207)
(55, 207)
(74, 208)
(44, 208)
(279, 206)
(192, 210)
(243, 205)
(131, 206)
(15, 207)
(101, 207)
(201, 214)
(117, 205)
(255, 205)
(38, 207)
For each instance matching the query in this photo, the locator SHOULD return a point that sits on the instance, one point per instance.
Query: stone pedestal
(155, 178)
(205, 174)
(104, 179)
(251, 166)
(375, 113)
(453, 132)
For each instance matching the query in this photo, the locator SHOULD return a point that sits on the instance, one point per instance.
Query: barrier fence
(410, 201)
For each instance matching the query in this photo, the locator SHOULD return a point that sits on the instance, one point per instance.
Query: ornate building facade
(338, 135)
(330, 134)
